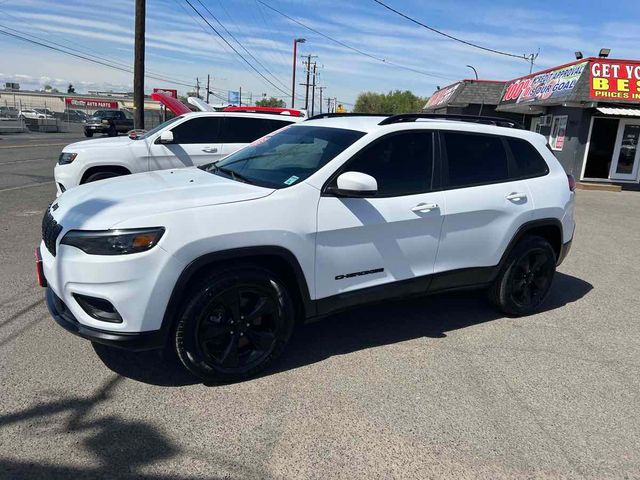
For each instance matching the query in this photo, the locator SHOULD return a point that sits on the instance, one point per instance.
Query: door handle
(210, 149)
(424, 207)
(515, 196)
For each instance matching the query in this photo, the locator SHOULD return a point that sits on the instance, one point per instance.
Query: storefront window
(558, 132)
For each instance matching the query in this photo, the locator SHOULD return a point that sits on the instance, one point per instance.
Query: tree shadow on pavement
(356, 329)
(118, 446)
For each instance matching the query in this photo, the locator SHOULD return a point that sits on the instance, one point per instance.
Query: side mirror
(355, 184)
(166, 137)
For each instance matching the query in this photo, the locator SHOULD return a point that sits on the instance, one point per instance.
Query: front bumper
(129, 341)
(564, 251)
(101, 128)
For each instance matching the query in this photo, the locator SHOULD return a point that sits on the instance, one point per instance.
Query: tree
(71, 89)
(271, 102)
(393, 102)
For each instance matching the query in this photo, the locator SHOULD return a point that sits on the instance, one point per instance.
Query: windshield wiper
(234, 175)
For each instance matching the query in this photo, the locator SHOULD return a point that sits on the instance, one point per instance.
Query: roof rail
(412, 117)
(336, 114)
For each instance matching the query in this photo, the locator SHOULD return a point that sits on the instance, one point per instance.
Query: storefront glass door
(626, 154)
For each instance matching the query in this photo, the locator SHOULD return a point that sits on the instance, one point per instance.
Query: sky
(181, 47)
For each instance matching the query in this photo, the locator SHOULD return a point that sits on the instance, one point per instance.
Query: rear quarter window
(527, 159)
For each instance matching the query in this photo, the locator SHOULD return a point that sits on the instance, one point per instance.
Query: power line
(234, 49)
(240, 44)
(357, 50)
(121, 65)
(84, 57)
(85, 51)
(440, 32)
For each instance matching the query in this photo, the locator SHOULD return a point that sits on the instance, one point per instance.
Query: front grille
(50, 231)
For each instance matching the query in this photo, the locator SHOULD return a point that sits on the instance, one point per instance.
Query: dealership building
(588, 109)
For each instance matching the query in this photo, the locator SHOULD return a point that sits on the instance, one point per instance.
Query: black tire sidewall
(185, 330)
(101, 176)
(501, 293)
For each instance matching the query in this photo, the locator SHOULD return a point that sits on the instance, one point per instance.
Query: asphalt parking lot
(440, 387)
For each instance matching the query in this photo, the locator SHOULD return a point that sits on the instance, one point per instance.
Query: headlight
(66, 158)
(113, 242)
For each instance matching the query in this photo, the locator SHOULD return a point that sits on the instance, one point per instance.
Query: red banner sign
(167, 91)
(90, 103)
(442, 96)
(614, 80)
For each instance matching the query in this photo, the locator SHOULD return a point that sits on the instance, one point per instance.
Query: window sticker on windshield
(291, 180)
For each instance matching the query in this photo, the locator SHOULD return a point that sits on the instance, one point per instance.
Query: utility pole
(320, 99)
(532, 58)
(208, 85)
(197, 87)
(307, 84)
(306, 95)
(240, 97)
(138, 66)
(328, 105)
(313, 91)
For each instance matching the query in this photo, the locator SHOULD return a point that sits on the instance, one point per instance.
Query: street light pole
(476, 73)
(474, 70)
(293, 82)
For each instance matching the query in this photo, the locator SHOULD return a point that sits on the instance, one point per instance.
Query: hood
(101, 205)
(98, 143)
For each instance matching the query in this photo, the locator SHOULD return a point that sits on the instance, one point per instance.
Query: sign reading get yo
(614, 80)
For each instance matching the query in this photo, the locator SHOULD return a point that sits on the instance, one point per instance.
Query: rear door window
(246, 130)
(474, 159)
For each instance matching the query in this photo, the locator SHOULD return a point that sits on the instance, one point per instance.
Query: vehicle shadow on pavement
(352, 330)
(393, 322)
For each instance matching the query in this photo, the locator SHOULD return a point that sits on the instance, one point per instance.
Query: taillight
(572, 182)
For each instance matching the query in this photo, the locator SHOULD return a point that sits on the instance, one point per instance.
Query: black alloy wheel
(522, 286)
(530, 278)
(238, 329)
(234, 325)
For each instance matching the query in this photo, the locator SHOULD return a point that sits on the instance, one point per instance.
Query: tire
(524, 282)
(234, 324)
(112, 132)
(88, 134)
(94, 177)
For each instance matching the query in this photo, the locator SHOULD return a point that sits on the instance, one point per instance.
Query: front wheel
(234, 324)
(88, 134)
(524, 281)
(94, 177)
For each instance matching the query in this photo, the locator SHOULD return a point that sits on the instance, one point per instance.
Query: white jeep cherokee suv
(221, 262)
(187, 140)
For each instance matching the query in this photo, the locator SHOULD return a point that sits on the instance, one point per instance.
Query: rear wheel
(525, 280)
(234, 324)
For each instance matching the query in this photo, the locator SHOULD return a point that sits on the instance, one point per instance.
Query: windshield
(285, 157)
(157, 128)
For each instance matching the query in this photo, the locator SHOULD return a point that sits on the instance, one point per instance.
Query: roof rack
(336, 114)
(412, 117)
